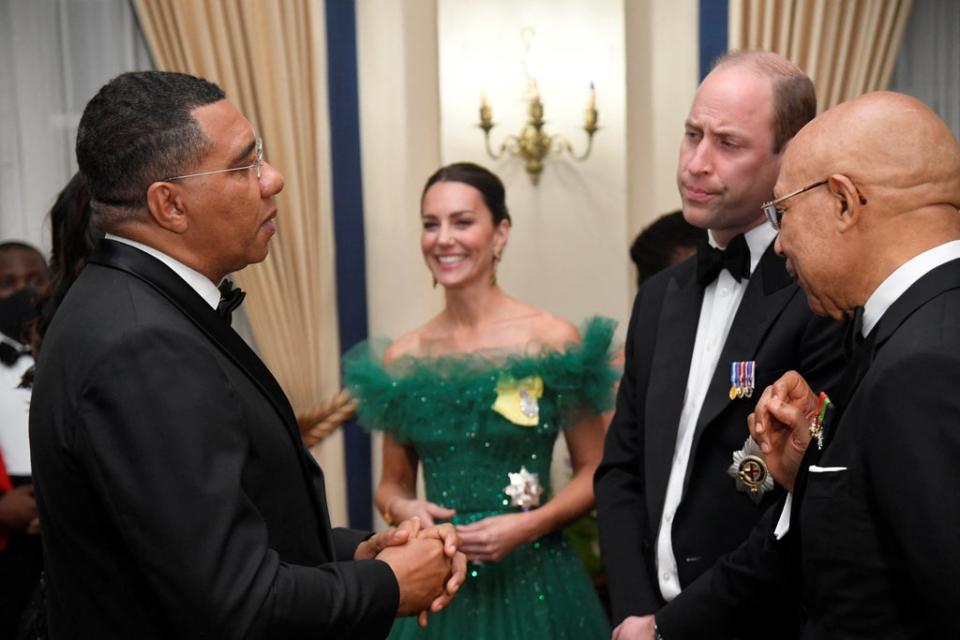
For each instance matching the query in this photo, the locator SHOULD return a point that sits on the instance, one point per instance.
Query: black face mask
(16, 311)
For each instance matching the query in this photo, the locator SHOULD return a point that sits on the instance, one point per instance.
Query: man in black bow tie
(176, 497)
(703, 335)
(866, 541)
(23, 277)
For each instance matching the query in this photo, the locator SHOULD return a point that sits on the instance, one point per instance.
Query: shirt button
(669, 518)
(666, 577)
(724, 291)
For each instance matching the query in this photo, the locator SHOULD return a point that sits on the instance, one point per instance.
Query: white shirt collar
(903, 278)
(758, 239)
(197, 281)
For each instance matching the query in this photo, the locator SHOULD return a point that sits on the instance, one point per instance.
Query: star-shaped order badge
(749, 471)
(524, 489)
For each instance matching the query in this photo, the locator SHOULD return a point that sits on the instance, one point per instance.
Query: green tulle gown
(444, 407)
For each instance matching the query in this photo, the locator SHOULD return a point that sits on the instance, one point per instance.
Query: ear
(500, 236)
(849, 205)
(167, 207)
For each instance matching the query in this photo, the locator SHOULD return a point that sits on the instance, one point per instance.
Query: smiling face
(231, 214)
(727, 167)
(459, 240)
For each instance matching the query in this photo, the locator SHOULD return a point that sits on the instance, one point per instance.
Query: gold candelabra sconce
(533, 144)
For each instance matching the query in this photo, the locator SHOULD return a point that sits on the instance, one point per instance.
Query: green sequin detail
(442, 406)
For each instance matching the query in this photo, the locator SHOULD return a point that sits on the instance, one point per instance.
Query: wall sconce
(533, 144)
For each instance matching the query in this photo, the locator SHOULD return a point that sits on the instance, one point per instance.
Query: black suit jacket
(873, 538)
(175, 495)
(774, 327)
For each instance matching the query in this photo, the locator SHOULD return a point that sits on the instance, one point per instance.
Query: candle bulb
(590, 116)
(486, 113)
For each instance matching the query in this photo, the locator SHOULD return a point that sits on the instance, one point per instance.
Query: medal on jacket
(816, 424)
(749, 471)
(742, 378)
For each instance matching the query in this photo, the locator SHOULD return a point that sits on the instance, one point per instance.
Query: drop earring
(493, 274)
(434, 282)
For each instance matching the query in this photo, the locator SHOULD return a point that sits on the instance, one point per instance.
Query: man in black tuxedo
(175, 495)
(703, 334)
(868, 199)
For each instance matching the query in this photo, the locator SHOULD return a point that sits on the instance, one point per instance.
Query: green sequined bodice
(443, 407)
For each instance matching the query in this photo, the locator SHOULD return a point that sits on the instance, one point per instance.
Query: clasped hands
(780, 425)
(427, 563)
(490, 539)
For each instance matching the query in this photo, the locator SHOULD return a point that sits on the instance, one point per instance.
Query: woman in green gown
(478, 395)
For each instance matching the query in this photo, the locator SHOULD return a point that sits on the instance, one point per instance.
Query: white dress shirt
(200, 283)
(721, 298)
(14, 413)
(889, 291)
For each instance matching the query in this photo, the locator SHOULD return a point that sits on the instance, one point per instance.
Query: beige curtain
(848, 47)
(270, 58)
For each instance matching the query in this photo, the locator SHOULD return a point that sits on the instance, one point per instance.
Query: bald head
(880, 176)
(890, 141)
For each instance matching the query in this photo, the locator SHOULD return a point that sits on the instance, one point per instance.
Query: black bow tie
(9, 354)
(735, 259)
(230, 298)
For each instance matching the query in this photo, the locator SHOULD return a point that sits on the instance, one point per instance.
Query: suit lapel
(764, 300)
(939, 280)
(162, 279)
(669, 369)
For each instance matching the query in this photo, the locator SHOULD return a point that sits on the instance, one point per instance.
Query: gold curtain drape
(270, 58)
(847, 47)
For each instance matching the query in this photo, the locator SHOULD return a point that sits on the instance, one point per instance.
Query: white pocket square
(817, 469)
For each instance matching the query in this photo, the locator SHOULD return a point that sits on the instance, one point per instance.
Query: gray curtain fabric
(928, 65)
(54, 54)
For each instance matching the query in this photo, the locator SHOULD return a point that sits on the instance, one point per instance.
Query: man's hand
(447, 534)
(493, 538)
(635, 628)
(392, 537)
(18, 510)
(421, 567)
(780, 424)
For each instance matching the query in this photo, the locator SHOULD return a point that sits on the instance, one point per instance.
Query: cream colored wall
(422, 66)
(569, 238)
(662, 76)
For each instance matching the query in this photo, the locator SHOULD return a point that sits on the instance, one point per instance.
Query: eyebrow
(459, 212)
(240, 157)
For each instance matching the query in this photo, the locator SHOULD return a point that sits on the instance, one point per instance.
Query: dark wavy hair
(481, 179)
(139, 128)
(73, 237)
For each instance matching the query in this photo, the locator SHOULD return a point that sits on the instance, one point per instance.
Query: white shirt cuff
(783, 524)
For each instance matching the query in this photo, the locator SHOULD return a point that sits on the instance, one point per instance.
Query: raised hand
(780, 424)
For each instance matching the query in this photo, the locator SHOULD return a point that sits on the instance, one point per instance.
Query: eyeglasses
(775, 213)
(256, 164)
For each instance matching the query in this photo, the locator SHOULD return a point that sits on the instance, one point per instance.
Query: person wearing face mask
(23, 279)
(478, 395)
